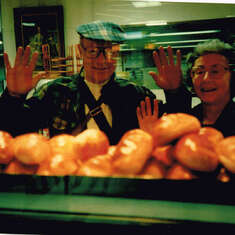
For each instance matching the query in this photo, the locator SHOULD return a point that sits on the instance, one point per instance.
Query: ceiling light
(146, 4)
(182, 41)
(155, 22)
(184, 46)
(149, 23)
(28, 24)
(200, 1)
(133, 35)
(183, 33)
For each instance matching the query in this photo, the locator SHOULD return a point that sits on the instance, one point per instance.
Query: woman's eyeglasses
(216, 71)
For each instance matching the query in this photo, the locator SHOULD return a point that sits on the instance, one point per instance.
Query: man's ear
(80, 50)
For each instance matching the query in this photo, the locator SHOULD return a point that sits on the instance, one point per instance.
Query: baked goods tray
(206, 190)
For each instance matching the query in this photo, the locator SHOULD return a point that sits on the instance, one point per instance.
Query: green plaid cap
(100, 30)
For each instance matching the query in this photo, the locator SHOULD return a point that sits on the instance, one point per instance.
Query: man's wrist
(16, 95)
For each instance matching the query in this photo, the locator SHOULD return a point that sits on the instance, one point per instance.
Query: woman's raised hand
(147, 117)
(169, 73)
(20, 78)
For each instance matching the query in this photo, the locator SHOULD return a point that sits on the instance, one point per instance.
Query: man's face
(211, 78)
(99, 59)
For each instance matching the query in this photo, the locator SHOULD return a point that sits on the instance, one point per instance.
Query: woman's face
(211, 78)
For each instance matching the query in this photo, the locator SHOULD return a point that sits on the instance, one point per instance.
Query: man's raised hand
(19, 78)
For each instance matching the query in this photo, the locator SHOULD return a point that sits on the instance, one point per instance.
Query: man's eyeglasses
(111, 52)
(215, 72)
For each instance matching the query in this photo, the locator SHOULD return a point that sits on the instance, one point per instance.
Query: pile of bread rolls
(176, 148)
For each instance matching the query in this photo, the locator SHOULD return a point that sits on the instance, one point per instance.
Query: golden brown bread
(226, 153)
(6, 150)
(173, 126)
(58, 164)
(17, 168)
(179, 172)
(132, 152)
(213, 135)
(194, 152)
(31, 148)
(164, 154)
(63, 158)
(153, 169)
(63, 144)
(98, 166)
(90, 143)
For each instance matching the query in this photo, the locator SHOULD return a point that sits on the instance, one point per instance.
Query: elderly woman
(210, 76)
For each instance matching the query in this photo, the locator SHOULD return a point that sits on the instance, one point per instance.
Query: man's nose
(101, 56)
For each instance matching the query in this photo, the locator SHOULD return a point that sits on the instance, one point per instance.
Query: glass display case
(45, 205)
(75, 204)
(2, 69)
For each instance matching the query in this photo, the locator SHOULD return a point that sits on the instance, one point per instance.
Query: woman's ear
(191, 74)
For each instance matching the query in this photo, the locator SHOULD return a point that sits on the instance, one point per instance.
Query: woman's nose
(206, 75)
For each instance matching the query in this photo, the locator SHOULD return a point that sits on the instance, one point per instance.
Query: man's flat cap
(100, 30)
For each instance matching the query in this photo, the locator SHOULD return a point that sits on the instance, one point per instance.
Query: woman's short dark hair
(208, 47)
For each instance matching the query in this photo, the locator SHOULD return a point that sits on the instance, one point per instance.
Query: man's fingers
(9, 80)
(26, 56)
(18, 56)
(6, 61)
(155, 108)
(33, 61)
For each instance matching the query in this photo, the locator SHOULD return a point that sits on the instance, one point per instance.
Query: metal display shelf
(41, 205)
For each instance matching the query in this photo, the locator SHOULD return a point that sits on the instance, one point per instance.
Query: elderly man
(94, 98)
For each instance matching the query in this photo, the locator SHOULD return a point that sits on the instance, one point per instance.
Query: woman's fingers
(178, 58)
(148, 106)
(163, 57)
(145, 108)
(142, 108)
(170, 55)
(154, 76)
(163, 60)
(139, 116)
(157, 61)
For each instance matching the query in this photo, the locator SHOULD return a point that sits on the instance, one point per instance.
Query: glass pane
(2, 69)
